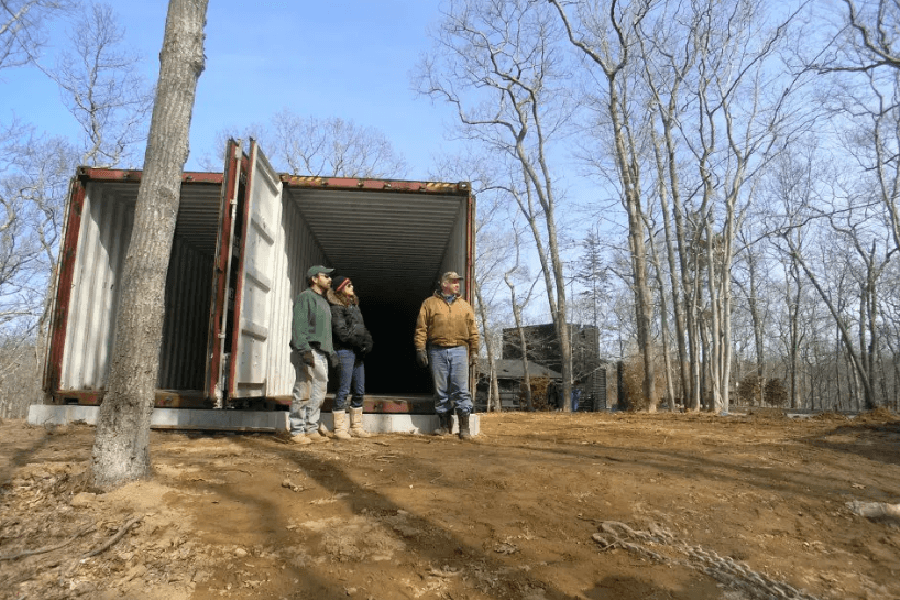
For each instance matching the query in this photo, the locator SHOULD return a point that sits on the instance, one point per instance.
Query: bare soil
(539, 506)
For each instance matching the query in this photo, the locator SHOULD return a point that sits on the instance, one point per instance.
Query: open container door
(220, 313)
(256, 227)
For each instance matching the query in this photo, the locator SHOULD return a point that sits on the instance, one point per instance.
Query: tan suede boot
(340, 425)
(316, 437)
(356, 424)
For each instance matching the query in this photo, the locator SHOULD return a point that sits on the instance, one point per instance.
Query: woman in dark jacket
(352, 341)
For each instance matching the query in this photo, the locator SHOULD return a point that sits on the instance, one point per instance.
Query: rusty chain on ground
(723, 569)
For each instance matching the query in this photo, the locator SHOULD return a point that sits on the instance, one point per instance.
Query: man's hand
(422, 358)
(309, 358)
(333, 360)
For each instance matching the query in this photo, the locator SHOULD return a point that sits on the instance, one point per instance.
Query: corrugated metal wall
(296, 249)
(182, 357)
(107, 223)
(455, 253)
(105, 232)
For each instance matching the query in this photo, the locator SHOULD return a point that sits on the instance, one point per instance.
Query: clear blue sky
(346, 59)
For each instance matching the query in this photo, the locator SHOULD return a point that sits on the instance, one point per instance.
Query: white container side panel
(104, 237)
(455, 255)
(255, 323)
(103, 240)
(182, 357)
(297, 250)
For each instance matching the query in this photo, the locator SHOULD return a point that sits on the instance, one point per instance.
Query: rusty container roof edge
(374, 183)
(105, 174)
(310, 181)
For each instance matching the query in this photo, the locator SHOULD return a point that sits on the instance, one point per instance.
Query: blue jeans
(350, 370)
(450, 372)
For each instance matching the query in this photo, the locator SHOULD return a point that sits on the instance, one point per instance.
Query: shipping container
(243, 242)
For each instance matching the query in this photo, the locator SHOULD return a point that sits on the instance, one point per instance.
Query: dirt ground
(539, 506)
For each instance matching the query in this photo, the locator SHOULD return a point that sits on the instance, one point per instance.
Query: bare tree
(214, 156)
(121, 447)
(852, 226)
(102, 88)
(487, 261)
(497, 64)
(333, 146)
(873, 26)
(866, 65)
(608, 41)
(663, 316)
(320, 146)
(874, 256)
(34, 174)
(752, 287)
(23, 28)
(516, 270)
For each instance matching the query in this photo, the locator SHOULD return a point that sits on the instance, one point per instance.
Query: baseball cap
(450, 275)
(316, 269)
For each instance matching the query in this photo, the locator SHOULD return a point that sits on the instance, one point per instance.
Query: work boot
(340, 425)
(356, 423)
(464, 432)
(316, 437)
(445, 424)
(300, 439)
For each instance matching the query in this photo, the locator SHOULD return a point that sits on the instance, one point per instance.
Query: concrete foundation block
(239, 420)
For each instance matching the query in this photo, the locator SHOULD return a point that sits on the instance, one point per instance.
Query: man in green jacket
(447, 340)
(312, 350)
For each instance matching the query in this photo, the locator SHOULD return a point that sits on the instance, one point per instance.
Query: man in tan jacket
(447, 340)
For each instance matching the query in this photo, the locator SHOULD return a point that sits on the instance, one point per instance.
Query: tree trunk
(677, 306)
(871, 315)
(757, 326)
(628, 175)
(492, 371)
(627, 158)
(667, 168)
(664, 326)
(838, 398)
(121, 453)
(517, 314)
(714, 322)
(861, 376)
(794, 311)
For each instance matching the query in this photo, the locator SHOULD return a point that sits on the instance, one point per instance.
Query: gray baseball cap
(316, 269)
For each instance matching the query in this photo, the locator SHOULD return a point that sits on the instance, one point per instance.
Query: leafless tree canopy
(101, 86)
(323, 147)
(333, 146)
(740, 140)
(23, 28)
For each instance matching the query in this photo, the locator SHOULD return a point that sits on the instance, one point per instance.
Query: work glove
(422, 358)
(309, 358)
(333, 360)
